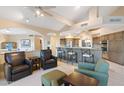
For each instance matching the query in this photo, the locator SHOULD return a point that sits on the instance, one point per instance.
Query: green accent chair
(98, 71)
(53, 78)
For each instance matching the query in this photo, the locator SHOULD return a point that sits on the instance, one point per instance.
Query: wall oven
(104, 45)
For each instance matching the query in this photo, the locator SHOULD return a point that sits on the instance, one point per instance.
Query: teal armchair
(98, 71)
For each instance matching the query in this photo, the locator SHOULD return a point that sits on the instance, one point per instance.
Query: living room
(61, 45)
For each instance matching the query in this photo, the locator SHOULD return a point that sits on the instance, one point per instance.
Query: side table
(36, 62)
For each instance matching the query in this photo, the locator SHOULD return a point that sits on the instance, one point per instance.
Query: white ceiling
(18, 31)
(73, 13)
(20, 14)
(106, 10)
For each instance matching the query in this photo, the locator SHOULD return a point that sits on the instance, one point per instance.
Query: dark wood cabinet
(110, 56)
(75, 41)
(111, 47)
(116, 57)
(101, 38)
(115, 51)
(63, 42)
(96, 40)
(118, 36)
(119, 46)
(105, 37)
(111, 37)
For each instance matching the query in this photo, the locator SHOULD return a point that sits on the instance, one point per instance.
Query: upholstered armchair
(16, 66)
(47, 59)
(98, 71)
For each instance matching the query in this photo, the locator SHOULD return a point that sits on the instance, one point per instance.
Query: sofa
(47, 59)
(98, 71)
(16, 66)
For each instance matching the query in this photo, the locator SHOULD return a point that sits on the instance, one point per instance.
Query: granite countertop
(78, 47)
(91, 48)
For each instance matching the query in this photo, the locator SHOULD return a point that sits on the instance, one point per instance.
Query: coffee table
(78, 79)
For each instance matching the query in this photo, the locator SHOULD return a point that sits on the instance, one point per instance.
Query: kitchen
(108, 46)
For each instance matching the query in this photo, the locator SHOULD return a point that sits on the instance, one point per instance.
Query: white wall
(54, 42)
(18, 38)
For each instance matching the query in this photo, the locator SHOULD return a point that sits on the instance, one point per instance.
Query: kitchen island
(79, 50)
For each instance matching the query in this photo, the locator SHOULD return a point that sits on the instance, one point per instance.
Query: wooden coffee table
(78, 79)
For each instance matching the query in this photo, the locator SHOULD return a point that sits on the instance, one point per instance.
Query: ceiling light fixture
(27, 20)
(41, 14)
(77, 7)
(38, 12)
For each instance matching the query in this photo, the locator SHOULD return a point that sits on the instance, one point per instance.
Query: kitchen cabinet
(73, 41)
(110, 56)
(96, 40)
(111, 47)
(106, 37)
(116, 57)
(111, 37)
(119, 46)
(118, 36)
(115, 51)
(102, 38)
(63, 42)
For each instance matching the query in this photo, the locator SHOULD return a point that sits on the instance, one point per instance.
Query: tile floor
(116, 75)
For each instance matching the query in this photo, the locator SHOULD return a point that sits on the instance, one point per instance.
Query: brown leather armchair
(47, 59)
(16, 66)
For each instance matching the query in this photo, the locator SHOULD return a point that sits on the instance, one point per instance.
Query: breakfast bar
(80, 52)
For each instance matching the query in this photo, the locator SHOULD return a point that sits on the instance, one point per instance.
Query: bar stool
(61, 54)
(87, 55)
(72, 56)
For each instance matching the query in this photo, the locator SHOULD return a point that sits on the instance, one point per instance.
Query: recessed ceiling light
(77, 7)
(27, 20)
(41, 14)
(38, 12)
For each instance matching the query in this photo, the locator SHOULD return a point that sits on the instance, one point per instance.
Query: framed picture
(25, 43)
